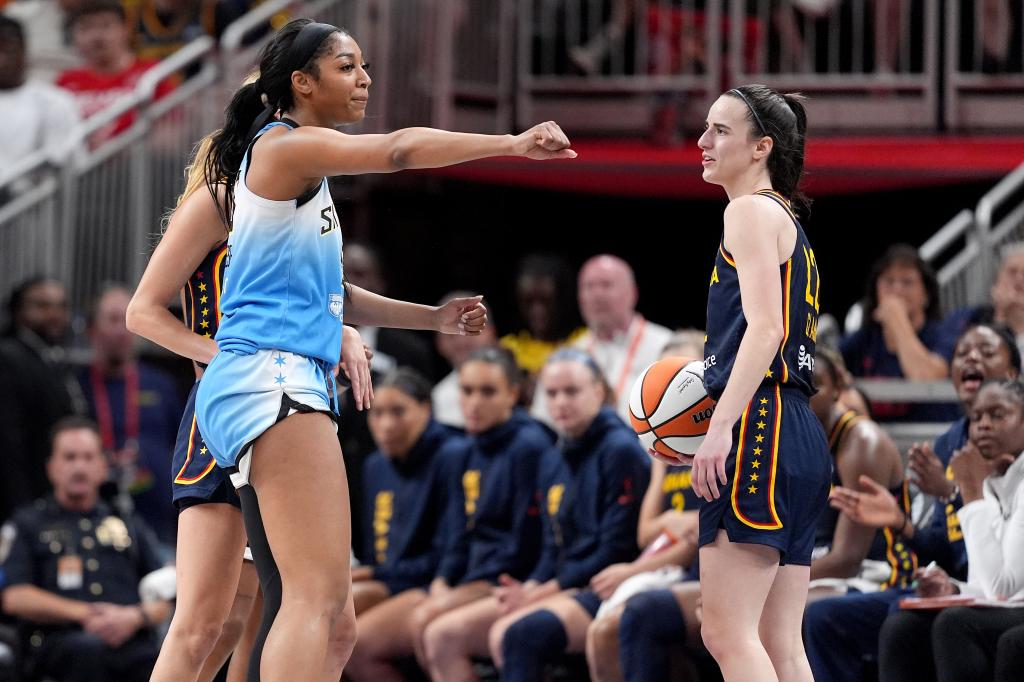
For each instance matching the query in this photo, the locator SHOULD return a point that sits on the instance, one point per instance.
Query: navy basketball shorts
(195, 476)
(780, 471)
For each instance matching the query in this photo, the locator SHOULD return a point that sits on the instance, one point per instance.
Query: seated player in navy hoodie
(495, 519)
(406, 486)
(591, 485)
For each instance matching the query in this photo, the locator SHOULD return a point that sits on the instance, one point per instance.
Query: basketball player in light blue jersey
(764, 467)
(265, 403)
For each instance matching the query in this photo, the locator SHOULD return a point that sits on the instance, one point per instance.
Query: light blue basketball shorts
(242, 395)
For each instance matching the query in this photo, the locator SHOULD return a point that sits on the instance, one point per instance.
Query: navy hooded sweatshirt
(495, 520)
(406, 507)
(592, 489)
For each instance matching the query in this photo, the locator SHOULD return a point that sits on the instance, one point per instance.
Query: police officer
(72, 569)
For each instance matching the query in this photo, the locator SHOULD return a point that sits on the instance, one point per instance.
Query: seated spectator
(73, 571)
(137, 408)
(904, 337)
(110, 69)
(841, 633)
(455, 348)
(494, 527)
(37, 115)
(955, 644)
(1006, 304)
(547, 318)
(407, 484)
(37, 387)
(590, 491)
(45, 23)
(162, 27)
(619, 339)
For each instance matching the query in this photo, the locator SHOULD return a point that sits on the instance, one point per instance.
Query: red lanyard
(627, 362)
(104, 415)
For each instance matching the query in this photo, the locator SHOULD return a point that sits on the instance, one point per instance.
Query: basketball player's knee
(494, 637)
(235, 624)
(782, 646)
(198, 636)
(343, 636)
(716, 637)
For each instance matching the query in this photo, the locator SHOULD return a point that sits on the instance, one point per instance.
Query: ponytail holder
(264, 99)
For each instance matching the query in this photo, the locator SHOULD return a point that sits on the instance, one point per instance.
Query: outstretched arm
(311, 152)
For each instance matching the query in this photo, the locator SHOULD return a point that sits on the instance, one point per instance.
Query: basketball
(669, 408)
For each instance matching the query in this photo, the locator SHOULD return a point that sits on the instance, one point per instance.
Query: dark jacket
(592, 489)
(495, 523)
(406, 508)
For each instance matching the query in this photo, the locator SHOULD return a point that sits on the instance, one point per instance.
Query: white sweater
(993, 529)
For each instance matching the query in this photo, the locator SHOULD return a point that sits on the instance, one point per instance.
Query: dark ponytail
(296, 47)
(784, 119)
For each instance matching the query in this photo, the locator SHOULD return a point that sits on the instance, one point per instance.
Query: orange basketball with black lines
(669, 408)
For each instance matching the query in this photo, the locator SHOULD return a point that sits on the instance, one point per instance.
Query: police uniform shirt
(92, 556)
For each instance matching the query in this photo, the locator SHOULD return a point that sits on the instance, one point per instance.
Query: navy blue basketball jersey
(676, 492)
(202, 293)
(793, 365)
(886, 546)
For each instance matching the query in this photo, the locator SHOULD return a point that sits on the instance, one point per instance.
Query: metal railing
(984, 68)
(975, 238)
(479, 64)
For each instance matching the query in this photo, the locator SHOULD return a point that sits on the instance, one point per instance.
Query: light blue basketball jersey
(283, 282)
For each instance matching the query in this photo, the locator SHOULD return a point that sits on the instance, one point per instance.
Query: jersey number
(812, 277)
(327, 215)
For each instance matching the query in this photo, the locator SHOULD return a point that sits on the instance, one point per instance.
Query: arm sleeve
(455, 557)
(996, 566)
(623, 481)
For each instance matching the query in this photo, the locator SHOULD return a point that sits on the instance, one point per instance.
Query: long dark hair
(781, 117)
(286, 53)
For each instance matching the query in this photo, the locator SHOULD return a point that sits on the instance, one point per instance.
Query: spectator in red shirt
(101, 36)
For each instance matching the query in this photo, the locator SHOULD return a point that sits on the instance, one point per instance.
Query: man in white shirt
(620, 340)
(455, 348)
(37, 115)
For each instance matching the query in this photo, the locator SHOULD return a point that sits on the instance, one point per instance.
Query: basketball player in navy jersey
(764, 466)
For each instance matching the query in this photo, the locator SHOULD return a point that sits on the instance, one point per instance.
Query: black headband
(753, 111)
(306, 43)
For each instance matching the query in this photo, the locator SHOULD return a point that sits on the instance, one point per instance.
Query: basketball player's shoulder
(752, 220)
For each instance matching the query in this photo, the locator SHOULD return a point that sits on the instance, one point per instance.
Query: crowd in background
(503, 512)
